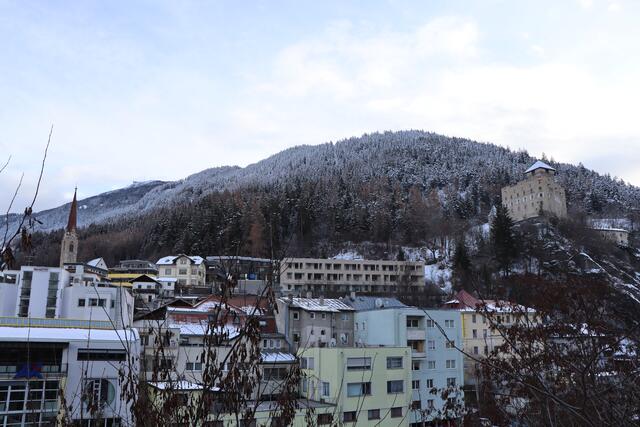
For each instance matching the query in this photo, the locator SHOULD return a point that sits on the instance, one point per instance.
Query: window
(475, 350)
(312, 315)
(101, 354)
(81, 302)
(416, 405)
(307, 363)
(323, 315)
(374, 414)
(296, 315)
(473, 318)
(396, 412)
(167, 271)
(326, 388)
(431, 364)
(305, 385)
(182, 271)
(324, 419)
(431, 323)
(474, 332)
(296, 337)
(486, 350)
(450, 344)
(394, 362)
(413, 322)
(448, 323)
(429, 383)
(431, 345)
(415, 365)
(484, 333)
(451, 382)
(358, 364)
(415, 385)
(451, 364)
(194, 366)
(395, 386)
(358, 389)
(349, 417)
(430, 404)
(98, 392)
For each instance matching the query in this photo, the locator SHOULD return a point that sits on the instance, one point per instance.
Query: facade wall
(320, 276)
(40, 291)
(619, 237)
(114, 304)
(184, 270)
(537, 193)
(437, 366)
(327, 379)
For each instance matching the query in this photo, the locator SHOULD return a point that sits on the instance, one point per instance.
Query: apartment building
(436, 363)
(479, 334)
(129, 269)
(41, 365)
(315, 322)
(367, 385)
(189, 271)
(537, 194)
(55, 293)
(331, 276)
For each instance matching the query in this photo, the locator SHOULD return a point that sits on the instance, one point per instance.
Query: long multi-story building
(435, 340)
(537, 194)
(336, 276)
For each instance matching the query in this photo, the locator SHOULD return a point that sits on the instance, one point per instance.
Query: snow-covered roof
(620, 230)
(170, 260)
(66, 334)
(96, 262)
(179, 385)
(539, 165)
(318, 304)
(365, 303)
(202, 329)
(276, 357)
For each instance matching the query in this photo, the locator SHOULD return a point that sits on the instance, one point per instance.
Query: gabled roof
(539, 165)
(144, 278)
(171, 259)
(96, 263)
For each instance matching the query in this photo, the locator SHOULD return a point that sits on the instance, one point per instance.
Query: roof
(317, 304)
(464, 301)
(170, 260)
(201, 329)
(619, 230)
(365, 303)
(66, 334)
(179, 385)
(94, 262)
(276, 357)
(72, 223)
(539, 165)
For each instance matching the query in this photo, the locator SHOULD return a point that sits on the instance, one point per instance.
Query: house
(435, 340)
(538, 193)
(367, 385)
(189, 271)
(315, 322)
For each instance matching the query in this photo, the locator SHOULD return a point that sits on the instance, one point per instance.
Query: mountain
(472, 171)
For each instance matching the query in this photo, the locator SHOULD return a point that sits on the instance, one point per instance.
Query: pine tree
(461, 264)
(503, 239)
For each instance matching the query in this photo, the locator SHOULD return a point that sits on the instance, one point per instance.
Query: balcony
(416, 334)
(22, 371)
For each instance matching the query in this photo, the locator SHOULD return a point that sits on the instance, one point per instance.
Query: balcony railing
(37, 322)
(32, 371)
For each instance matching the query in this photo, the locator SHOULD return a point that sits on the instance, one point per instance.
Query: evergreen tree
(461, 264)
(503, 239)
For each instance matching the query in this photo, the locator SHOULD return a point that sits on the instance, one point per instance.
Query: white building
(37, 364)
(187, 270)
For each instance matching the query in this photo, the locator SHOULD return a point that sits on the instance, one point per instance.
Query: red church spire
(73, 213)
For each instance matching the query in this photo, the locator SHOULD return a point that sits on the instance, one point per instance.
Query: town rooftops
(366, 303)
(539, 165)
(464, 301)
(171, 259)
(317, 304)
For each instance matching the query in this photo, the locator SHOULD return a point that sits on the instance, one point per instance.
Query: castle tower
(69, 247)
(537, 194)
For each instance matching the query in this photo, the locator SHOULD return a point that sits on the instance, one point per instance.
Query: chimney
(309, 294)
(321, 300)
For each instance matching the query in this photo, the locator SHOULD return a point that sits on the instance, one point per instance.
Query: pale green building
(370, 385)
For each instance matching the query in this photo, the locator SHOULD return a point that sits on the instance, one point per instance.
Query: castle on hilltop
(537, 194)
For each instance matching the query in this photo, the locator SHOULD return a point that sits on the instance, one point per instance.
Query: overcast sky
(151, 90)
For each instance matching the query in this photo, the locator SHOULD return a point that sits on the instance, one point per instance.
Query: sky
(141, 90)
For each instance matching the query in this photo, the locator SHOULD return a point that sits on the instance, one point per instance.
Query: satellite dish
(333, 342)
(343, 338)
(379, 303)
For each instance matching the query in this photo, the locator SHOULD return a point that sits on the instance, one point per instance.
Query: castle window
(70, 247)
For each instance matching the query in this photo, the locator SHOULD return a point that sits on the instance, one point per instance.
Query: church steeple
(72, 223)
(69, 247)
